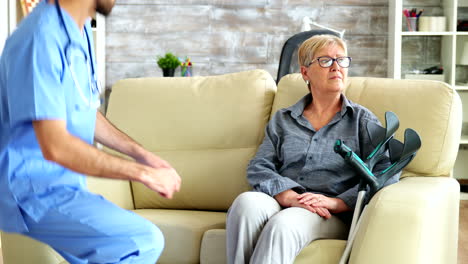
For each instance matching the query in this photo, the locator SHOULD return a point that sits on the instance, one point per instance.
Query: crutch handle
(363, 171)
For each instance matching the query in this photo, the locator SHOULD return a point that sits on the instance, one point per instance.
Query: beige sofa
(208, 128)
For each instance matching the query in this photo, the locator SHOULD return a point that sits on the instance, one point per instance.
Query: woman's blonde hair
(308, 48)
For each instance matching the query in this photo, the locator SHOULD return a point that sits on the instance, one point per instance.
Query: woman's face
(326, 80)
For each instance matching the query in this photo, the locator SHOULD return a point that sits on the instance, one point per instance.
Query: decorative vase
(168, 72)
(186, 71)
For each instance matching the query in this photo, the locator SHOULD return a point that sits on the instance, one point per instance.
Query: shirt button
(301, 178)
(310, 158)
(315, 139)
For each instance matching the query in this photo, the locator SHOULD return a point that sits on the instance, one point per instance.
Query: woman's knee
(254, 203)
(293, 220)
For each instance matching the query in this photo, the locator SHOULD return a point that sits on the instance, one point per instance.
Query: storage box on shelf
(410, 52)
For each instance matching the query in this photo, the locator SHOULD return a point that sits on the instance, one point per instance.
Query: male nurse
(48, 122)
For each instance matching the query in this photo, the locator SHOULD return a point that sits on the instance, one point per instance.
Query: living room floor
(462, 231)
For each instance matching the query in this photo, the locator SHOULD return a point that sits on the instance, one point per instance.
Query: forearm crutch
(400, 154)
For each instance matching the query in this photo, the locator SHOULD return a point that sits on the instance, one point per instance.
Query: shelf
(422, 49)
(461, 88)
(426, 33)
(464, 140)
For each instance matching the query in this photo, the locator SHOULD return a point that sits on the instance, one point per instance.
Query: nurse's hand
(152, 160)
(164, 181)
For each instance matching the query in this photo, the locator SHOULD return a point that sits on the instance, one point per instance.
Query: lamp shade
(464, 54)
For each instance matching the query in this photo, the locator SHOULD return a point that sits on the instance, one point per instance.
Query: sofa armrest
(413, 221)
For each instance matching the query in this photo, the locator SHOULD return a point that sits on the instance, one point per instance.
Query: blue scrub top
(36, 84)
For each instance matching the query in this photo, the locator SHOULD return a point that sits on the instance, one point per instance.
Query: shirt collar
(346, 106)
(297, 109)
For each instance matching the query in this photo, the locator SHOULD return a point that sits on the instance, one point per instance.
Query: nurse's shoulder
(41, 29)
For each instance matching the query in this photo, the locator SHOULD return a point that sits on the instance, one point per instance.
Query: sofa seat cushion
(183, 231)
(324, 251)
(19, 249)
(213, 248)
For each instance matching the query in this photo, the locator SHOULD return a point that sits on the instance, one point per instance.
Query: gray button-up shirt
(295, 156)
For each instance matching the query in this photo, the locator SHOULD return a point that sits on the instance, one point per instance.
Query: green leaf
(169, 61)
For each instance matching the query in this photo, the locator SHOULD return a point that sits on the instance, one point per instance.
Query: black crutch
(400, 154)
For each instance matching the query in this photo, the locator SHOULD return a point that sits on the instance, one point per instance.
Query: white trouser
(260, 231)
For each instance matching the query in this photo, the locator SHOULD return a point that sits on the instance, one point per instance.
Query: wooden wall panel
(156, 19)
(223, 36)
(259, 3)
(240, 47)
(288, 3)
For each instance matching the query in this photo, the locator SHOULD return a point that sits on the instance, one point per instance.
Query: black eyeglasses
(326, 62)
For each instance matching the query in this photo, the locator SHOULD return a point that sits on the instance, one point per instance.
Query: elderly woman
(303, 191)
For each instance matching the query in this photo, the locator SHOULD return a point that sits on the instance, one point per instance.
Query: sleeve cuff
(349, 197)
(276, 186)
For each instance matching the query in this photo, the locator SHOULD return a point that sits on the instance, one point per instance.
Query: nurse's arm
(110, 136)
(59, 146)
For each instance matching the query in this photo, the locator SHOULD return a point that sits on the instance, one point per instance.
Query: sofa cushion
(183, 231)
(323, 251)
(203, 189)
(431, 108)
(291, 88)
(22, 249)
(213, 247)
(208, 127)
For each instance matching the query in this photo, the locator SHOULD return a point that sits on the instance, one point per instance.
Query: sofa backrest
(208, 128)
(431, 108)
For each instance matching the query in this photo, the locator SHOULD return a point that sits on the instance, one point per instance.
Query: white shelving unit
(100, 48)
(14, 14)
(446, 47)
(397, 34)
(4, 24)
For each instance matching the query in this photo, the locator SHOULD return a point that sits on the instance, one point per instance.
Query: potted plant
(168, 64)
